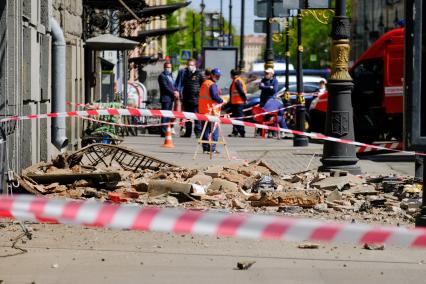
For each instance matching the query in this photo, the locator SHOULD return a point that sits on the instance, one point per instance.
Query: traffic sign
(281, 8)
(185, 55)
(260, 27)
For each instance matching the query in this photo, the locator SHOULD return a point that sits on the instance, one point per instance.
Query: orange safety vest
(236, 99)
(205, 101)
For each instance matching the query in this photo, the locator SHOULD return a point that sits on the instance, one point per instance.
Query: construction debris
(113, 173)
(374, 246)
(308, 246)
(244, 265)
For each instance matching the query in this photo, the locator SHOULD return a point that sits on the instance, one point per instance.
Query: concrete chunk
(220, 185)
(159, 187)
(332, 183)
(302, 198)
(214, 171)
(201, 179)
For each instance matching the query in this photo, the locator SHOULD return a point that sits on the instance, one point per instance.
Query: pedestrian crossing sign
(185, 55)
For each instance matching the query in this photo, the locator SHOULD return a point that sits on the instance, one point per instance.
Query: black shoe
(233, 135)
(216, 152)
(242, 135)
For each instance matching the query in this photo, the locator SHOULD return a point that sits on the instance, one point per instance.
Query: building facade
(253, 47)
(26, 73)
(371, 19)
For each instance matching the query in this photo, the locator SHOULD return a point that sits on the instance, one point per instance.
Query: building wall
(154, 47)
(253, 46)
(25, 73)
(69, 14)
(371, 19)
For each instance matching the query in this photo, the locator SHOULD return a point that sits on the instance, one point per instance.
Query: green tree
(316, 41)
(184, 39)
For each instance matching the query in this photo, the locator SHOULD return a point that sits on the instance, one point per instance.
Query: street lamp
(339, 121)
(202, 6)
(287, 59)
(269, 53)
(299, 140)
(242, 63)
(221, 24)
(230, 24)
(194, 48)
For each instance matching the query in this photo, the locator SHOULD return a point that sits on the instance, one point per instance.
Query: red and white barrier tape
(196, 116)
(387, 146)
(265, 113)
(182, 221)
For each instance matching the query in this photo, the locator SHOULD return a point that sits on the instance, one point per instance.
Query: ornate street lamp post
(339, 121)
(269, 53)
(299, 140)
(202, 6)
(287, 59)
(230, 24)
(242, 63)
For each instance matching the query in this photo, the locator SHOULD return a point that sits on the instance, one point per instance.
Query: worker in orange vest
(238, 99)
(208, 103)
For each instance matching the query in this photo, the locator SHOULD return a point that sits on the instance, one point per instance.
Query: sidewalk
(278, 153)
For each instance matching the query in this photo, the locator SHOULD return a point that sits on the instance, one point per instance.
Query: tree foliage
(316, 41)
(184, 39)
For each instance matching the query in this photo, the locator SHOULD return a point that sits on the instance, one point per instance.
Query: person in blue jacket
(268, 87)
(168, 93)
(276, 105)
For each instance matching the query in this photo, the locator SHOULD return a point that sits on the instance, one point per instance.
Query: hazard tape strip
(266, 112)
(183, 221)
(196, 116)
(387, 146)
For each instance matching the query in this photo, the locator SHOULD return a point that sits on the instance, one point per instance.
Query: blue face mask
(168, 70)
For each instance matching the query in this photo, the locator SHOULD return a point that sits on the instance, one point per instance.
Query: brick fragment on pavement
(244, 265)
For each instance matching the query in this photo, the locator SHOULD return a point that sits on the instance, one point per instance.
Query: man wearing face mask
(168, 93)
(188, 83)
(209, 99)
(268, 87)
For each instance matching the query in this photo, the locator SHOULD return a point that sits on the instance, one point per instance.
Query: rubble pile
(252, 187)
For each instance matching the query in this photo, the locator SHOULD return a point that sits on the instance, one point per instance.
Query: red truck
(377, 97)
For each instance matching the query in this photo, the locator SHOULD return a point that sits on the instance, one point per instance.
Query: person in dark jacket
(268, 87)
(188, 83)
(238, 98)
(168, 93)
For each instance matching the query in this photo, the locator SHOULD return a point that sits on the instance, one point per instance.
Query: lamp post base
(300, 140)
(347, 164)
(421, 219)
(339, 124)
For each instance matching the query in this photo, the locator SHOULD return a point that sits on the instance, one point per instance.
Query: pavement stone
(279, 153)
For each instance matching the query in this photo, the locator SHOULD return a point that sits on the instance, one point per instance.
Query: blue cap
(216, 72)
